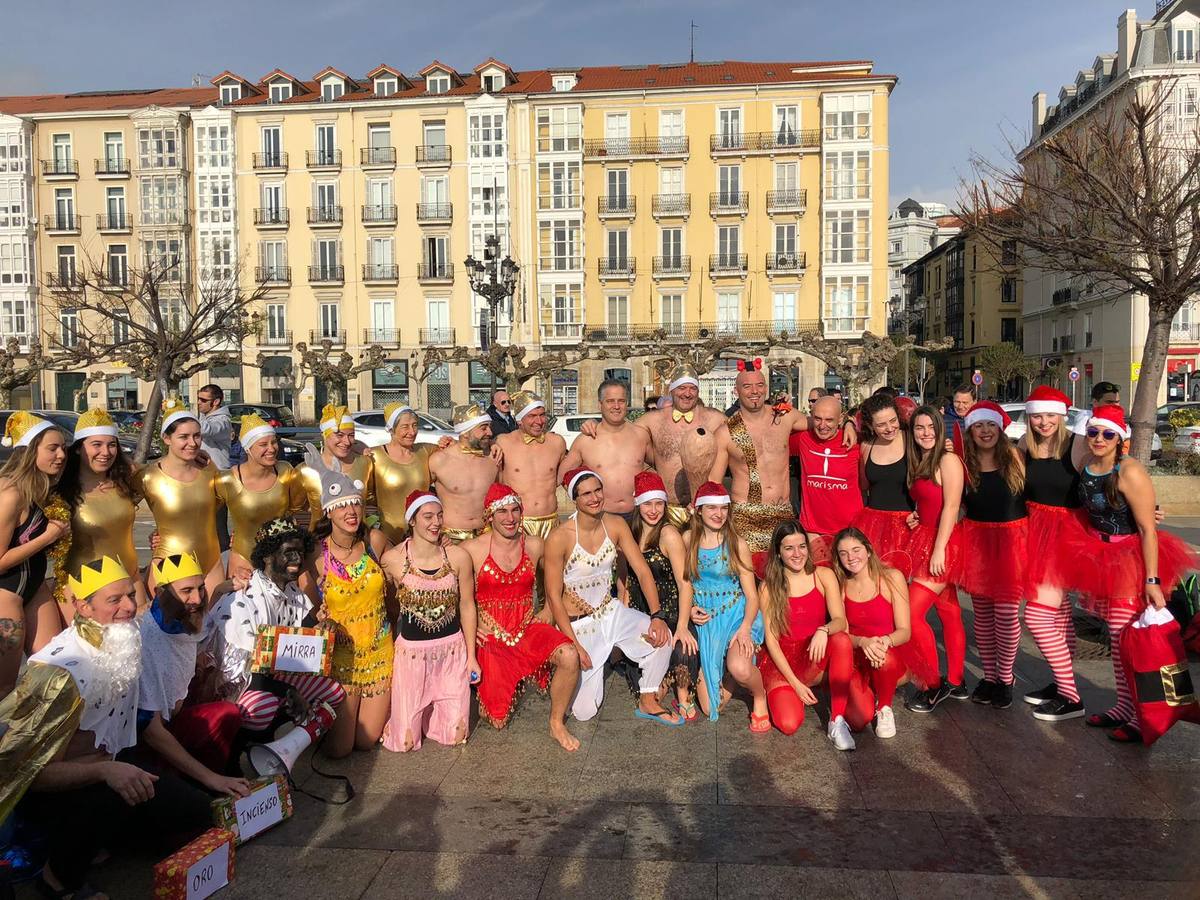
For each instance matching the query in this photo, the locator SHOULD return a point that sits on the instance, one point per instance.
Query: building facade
(700, 199)
(914, 228)
(1071, 322)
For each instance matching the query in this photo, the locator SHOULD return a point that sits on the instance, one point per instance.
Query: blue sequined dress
(719, 594)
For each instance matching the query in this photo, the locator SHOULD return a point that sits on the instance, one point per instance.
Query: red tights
(872, 688)
(787, 710)
(920, 599)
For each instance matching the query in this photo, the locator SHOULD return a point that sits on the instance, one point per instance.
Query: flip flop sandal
(688, 711)
(760, 724)
(653, 717)
(1126, 734)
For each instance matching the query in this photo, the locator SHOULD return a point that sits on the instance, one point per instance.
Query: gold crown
(22, 427)
(522, 400)
(95, 421)
(466, 412)
(172, 568)
(95, 575)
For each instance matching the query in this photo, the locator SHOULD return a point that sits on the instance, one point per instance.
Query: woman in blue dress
(725, 606)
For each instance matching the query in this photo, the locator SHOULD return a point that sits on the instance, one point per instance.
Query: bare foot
(568, 741)
(649, 704)
(725, 695)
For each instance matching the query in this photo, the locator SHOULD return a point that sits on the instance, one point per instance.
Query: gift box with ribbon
(199, 869)
(307, 651)
(268, 804)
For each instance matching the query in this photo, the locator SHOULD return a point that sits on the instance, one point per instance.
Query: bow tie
(676, 415)
(534, 439)
(469, 451)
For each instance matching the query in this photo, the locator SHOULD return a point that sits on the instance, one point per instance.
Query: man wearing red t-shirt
(830, 494)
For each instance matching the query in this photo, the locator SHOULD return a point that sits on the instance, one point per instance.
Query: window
(670, 123)
(272, 258)
(618, 316)
(326, 146)
(729, 184)
(332, 89)
(386, 85)
(272, 201)
(120, 329)
(847, 117)
(1008, 330)
(563, 82)
(671, 313)
(616, 131)
(66, 265)
(670, 181)
(784, 308)
(1008, 290)
(118, 264)
(559, 185)
(493, 83)
(280, 91)
(12, 159)
(14, 317)
(729, 126)
(618, 188)
(486, 135)
(437, 255)
(1008, 253)
(729, 241)
(230, 93)
(562, 310)
(216, 257)
(437, 84)
(435, 134)
(68, 327)
(61, 150)
(847, 304)
(114, 150)
(383, 319)
(1185, 47)
(381, 253)
(559, 243)
(623, 375)
(64, 209)
(325, 199)
(161, 200)
(847, 236)
(330, 322)
(14, 261)
(158, 147)
(272, 142)
(672, 247)
(785, 241)
(114, 206)
(437, 314)
(618, 249)
(559, 129)
(163, 257)
(848, 175)
(728, 311)
(212, 147)
(787, 125)
(787, 177)
(214, 199)
(276, 322)
(327, 257)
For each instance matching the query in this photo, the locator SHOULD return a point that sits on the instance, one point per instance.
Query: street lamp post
(494, 280)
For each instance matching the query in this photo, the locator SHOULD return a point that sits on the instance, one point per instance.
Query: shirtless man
(532, 460)
(753, 446)
(617, 451)
(462, 473)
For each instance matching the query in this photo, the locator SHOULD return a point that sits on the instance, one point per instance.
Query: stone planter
(1178, 495)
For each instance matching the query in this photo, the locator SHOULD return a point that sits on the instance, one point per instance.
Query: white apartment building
(18, 286)
(914, 228)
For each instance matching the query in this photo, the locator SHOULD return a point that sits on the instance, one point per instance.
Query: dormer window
(1185, 45)
(230, 93)
(493, 83)
(437, 83)
(281, 91)
(332, 89)
(386, 85)
(563, 82)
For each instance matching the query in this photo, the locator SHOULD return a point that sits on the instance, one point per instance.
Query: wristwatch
(1153, 579)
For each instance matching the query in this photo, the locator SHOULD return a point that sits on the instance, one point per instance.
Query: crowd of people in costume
(446, 574)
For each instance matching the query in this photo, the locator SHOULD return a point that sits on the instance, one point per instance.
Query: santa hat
(1046, 399)
(711, 494)
(572, 478)
(648, 486)
(174, 411)
(1111, 416)
(499, 495)
(987, 411)
(416, 500)
(95, 423)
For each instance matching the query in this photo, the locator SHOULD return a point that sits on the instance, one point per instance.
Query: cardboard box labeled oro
(199, 869)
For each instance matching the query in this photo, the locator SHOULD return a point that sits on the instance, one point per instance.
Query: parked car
(1162, 426)
(278, 417)
(65, 420)
(128, 419)
(1187, 439)
(370, 427)
(568, 427)
(1076, 421)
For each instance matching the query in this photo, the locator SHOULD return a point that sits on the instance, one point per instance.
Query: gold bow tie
(676, 415)
(534, 438)
(469, 451)
(90, 630)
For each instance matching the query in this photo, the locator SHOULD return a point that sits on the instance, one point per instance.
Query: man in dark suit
(500, 412)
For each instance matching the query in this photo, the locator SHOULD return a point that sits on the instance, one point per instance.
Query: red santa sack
(1156, 669)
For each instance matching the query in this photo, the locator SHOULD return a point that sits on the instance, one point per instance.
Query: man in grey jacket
(216, 437)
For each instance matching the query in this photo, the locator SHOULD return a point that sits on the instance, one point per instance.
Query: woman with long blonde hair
(29, 618)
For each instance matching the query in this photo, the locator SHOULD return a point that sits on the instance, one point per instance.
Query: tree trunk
(5, 398)
(149, 423)
(1145, 398)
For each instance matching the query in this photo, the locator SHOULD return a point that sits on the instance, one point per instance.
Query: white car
(1076, 421)
(1187, 439)
(370, 428)
(568, 427)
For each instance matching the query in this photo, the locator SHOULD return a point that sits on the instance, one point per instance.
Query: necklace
(342, 546)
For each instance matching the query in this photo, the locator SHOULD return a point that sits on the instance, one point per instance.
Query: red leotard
(870, 618)
(872, 687)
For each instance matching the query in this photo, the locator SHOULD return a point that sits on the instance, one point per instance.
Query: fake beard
(119, 661)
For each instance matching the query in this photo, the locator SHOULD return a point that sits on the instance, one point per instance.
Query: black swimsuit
(26, 577)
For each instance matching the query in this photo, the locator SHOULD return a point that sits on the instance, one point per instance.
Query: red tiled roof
(384, 67)
(701, 74)
(274, 73)
(949, 221)
(437, 65)
(330, 70)
(227, 75)
(492, 61)
(109, 100)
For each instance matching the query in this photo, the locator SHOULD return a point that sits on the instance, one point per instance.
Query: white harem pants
(615, 625)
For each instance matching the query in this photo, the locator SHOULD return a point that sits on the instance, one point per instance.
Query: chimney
(1039, 114)
(1126, 39)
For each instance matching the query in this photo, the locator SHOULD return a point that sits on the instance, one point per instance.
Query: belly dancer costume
(753, 520)
(873, 618)
(884, 520)
(394, 481)
(353, 598)
(719, 593)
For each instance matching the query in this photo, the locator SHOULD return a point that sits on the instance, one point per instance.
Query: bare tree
(152, 322)
(19, 369)
(1005, 361)
(860, 363)
(1113, 200)
(334, 369)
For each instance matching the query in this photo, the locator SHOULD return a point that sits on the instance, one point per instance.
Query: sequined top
(185, 513)
(428, 600)
(394, 481)
(362, 469)
(504, 599)
(664, 580)
(249, 509)
(587, 577)
(102, 525)
(1102, 515)
(353, 598)
(716, 588)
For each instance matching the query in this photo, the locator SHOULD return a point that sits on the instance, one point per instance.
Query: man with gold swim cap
(401, 466)
(338, 452)
(462, 473)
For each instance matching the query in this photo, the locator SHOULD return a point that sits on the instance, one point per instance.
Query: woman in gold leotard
(99, 485)
(182, 495)
(401, 467)
(259, 490)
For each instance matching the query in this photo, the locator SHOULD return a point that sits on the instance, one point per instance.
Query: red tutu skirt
(796, 653)
(889, 534)
(1052, 531)
(506, 668)
(1114, 572)
(920, 548)
(994, 555)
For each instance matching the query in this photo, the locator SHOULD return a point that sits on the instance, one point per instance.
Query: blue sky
(967, 68)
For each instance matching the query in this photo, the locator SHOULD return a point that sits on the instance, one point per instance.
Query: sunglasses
(1096, 432)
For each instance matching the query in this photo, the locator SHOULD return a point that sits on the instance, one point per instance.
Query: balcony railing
(632, 147)
(60, 168)
(433, 154)
(787, 201)
(276, 338)
(273, 274)
(379, 214)
(320, 335)
(113, 166)
(380, 272)
(62, 281)
(435, 212)
(270, 217)
(666, 205)
(556, 332)
(616, 206)
(1184, 333)
(438, 271)
(617, 267)
(327, 274)
(726, 203)
(114, 221)
(270, 160)
(324, 215)
(727, 264)
(388, 336)
(1063, 344)
(436, 337)
(784, 263)
(1064, 295)
(672, 266)
(61, 223)
(323, 159)
(114, 281)
(782, 141)
(378, 156)
(678, 332)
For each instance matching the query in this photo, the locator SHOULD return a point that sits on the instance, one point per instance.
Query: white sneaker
(839, 733)
(885, 723)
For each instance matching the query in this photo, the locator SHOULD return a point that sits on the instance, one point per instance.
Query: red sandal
(760, 724)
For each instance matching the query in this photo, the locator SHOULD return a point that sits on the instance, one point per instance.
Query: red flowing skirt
(889, 535)
(506, 668)
(1114, 571)
(994, 555)
(920, 548)
(1052, 531)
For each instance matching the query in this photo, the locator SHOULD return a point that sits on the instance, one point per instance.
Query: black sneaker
(1058, 709)
(957, 691)
(1041, 695)
(1002, 696)
(927, 701)
(983, 691)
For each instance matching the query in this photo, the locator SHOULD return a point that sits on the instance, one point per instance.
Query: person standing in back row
(216, 439)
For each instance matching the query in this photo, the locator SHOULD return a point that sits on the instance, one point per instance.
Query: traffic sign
(1074, 373)
(977, 378)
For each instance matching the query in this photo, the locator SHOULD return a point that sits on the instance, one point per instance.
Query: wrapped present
(304, 650)
(199, 870)
(268, 804)
(1156, 669)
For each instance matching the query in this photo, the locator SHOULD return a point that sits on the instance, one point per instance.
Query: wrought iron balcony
(273, 274)
(636, 147)
(112, 167)
(782, 141)
(616, 206)
(1064, 295)
(679, 332)
(121, 221)
(434, 212)
(323, 159)
(325, 216)
(795, 200)
(327, 274)
(63, 281)
(61, 223)
(729, 203)
(671, 205)
(785, 263)
(727, 264)
(60, 168)
(433, 154)
(271, 217)
(380, 272)
(379, 214)
(320, 335)
(269, 160)
(268, 337)
(672, 266)
(436, 271)
(377, 156)
(436, 337)
(617, 267)
(386, 336)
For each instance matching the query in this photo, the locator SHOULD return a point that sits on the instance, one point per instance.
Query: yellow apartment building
(703, 199)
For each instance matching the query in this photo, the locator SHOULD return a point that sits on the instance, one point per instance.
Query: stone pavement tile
(949, 886)
(610, 879)
(382, 771)
(458, 824)
(640, 761)
(784, 836)
(738, 882)
(1181, 793)
(1069, 847)
(459, 875)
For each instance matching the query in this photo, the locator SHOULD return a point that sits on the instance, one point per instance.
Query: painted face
(924, 432)
(589, 495)
(347, 517)
(506, 521)
(184, 442)
(714, 516)
(852, 554)
(963, 403)
(185, 601)
(1045, 424)
(340, 444)
(614, 404)
(532, 423)
(265, 451)
(685, 397)
(885, 424)
(652, 511)
(51, 452)
(112, 603)
(751, 390)
(793, 552)
(100, 452)
(427, 522)
(985, 434)
(405, 432)
(285, 563)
